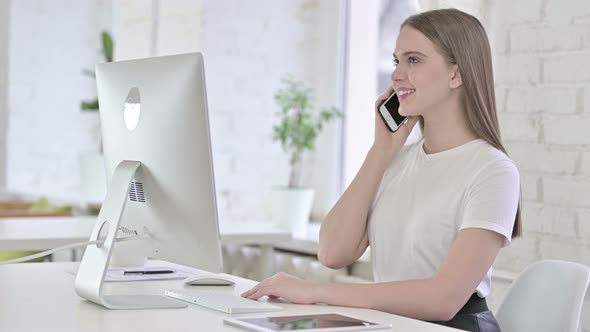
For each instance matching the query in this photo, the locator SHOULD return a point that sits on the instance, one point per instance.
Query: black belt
(474, 305)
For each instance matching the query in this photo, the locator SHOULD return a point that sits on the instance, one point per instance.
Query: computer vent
(136, 192)
(127, 230)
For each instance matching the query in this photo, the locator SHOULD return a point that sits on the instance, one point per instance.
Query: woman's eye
(395, 62)
(412, 59)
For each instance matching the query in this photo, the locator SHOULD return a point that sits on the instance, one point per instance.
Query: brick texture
(541, 66)
(247, 52)
(47, 132)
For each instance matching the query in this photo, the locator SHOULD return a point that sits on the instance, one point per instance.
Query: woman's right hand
(386, 143)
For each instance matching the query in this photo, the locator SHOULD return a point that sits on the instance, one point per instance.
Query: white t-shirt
(424, 200)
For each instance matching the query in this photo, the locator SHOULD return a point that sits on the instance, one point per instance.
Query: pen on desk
(148, 272)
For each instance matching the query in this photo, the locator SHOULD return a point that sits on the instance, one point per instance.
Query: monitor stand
(94, 264)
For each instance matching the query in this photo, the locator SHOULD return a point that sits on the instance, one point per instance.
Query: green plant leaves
(107, 51)
(91, 105)
(298, 128)
(107, 46)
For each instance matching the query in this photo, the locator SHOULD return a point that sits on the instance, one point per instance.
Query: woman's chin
(404, 111)
(408, 111)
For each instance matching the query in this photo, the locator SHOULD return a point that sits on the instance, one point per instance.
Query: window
(372, 29)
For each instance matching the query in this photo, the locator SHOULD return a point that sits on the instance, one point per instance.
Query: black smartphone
(389, 111)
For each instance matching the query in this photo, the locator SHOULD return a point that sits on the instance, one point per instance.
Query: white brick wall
(565, 12)
(558, 100)
(551, 220)
(535, 158)
(531, 187)
(517, 12)
(570, 130)
(542, 71)
(248, 48)
(4, 26)
(50, 43)
(566, 191)
(556, 70)
(519, 254)
(585, 164)
(526, 39)
(520, 127)
(519, 69)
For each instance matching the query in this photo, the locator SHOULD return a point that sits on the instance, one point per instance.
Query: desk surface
(46, 233)
(41, 297)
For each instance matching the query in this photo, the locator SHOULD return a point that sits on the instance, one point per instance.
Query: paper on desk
(118, 274)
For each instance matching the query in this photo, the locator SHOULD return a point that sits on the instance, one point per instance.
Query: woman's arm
(435, 299)
(343, 234)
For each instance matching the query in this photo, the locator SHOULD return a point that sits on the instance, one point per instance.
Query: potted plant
(92, 166)
(297, 130)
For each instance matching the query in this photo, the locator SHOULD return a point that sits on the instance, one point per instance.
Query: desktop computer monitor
(155, 133)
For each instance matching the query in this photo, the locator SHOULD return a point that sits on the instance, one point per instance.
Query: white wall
(4, 47)
(50, 43)
(248, 48)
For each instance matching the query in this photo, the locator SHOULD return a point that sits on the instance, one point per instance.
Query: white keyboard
(227, 303)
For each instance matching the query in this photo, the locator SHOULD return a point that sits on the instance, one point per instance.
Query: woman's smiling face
(422, 77)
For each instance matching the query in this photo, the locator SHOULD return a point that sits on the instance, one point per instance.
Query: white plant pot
(290, 209)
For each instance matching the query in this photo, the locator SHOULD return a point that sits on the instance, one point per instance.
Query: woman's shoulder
(491, 158)
(488, 152)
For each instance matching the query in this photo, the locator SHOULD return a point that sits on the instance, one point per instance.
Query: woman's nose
(397, 74)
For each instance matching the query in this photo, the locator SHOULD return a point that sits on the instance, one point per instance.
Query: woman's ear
(456, 80)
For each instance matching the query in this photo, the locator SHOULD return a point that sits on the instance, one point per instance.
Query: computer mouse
(209, 281)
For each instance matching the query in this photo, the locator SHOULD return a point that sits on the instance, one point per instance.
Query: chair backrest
(547, 296)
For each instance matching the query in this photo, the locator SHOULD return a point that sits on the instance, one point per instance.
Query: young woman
(435, 213)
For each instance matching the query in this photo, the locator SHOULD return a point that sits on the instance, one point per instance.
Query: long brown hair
(462, 40)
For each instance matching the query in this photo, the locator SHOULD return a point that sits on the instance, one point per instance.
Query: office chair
(547, 296)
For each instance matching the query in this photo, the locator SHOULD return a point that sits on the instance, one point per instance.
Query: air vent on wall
(136, 192)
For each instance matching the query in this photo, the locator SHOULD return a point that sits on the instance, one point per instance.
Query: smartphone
(389, 111)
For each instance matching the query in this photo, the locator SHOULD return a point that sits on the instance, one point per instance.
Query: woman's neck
(446, 128)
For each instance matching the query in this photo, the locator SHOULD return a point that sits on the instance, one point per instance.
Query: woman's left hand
(286, 286)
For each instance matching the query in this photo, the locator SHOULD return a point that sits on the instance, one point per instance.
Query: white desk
(41, 297)
(47, 233)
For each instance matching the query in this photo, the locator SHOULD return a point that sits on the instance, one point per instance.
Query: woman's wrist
(318, 290)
